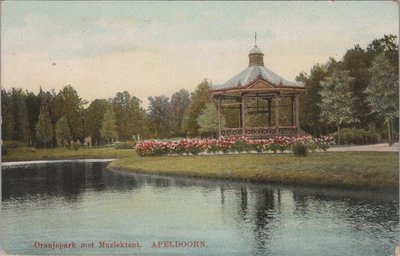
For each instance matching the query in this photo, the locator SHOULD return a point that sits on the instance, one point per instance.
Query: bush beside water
(226, 145)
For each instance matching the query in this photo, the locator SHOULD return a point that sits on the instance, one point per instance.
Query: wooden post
(219, 116)
(297, 104)
(269, 112)
(293, 110)
(277, 103)
(242, 114)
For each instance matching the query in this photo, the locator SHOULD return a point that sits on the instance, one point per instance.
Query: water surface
(84, 203)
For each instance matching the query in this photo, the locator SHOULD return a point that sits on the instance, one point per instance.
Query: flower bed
(225, 145)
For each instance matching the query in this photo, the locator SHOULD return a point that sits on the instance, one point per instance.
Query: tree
(200, 98)
(159, 113)
(357, 61)
(208, 120)
(310, 110)
(20, 116)
(62, 131)
(94, 115)
(7, 126)
(44, 127)
(337, 100)
(383, 92)
(33, 110)
(129, 115)
(180, 100)
(69, 104)
(108, 129)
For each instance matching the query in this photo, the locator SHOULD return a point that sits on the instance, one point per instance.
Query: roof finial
(255, 39)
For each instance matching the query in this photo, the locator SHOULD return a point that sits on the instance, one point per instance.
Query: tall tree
(310, 111)
(200, 98)
(44, 127)
(208, 120)
(63, 133)
(383, 92)
(180, 100)
(159, 113)
(70, 105)
(108, 129)
(33, 110)
(7, 126)
(129, 115)
(357, 61)
(21, 130)
(337, 100)
(94, 119)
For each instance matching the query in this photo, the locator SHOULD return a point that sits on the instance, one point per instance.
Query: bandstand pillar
(277, 103)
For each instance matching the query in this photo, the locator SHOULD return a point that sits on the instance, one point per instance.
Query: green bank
(30, 154)
(366, 170)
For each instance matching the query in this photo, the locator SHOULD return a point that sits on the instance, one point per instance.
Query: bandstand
(259, 91)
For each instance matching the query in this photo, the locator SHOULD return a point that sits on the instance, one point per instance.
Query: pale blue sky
(155, 48)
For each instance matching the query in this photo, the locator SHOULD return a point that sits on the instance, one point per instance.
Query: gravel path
(384, 147)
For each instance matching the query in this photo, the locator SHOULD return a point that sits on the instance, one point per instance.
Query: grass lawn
(28, 154)
(369, 170)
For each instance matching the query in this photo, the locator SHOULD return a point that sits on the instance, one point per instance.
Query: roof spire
(255, 39)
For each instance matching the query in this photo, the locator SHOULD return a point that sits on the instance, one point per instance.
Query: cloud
(153, 51)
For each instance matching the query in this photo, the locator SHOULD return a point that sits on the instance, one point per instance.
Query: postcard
(199, 128)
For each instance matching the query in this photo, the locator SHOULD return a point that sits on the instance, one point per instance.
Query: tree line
(358, 92)
(50, 118)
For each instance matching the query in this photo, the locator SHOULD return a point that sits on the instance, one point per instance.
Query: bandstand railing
(261, 132)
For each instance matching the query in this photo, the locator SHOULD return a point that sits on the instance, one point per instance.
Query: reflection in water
(235, 218)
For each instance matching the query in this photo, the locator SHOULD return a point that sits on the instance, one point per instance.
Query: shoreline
(282, 171)
(351, 169)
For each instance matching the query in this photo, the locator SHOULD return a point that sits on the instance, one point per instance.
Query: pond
(81, 207)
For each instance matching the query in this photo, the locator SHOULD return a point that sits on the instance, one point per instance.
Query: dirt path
(384, 147)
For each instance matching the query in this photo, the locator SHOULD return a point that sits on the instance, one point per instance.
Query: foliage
(76, 145)
(44, 127)
(62, 131)
(11, 144)
(199, 100)
(15, 116)
(225, 145)
(159, 114)
(94, 115)
(337, 100)
(130, 117)
(208, 119)
(70, 105)
(383, 91)
(357, 136)
(310, 101)
(299, 149)
(180, 100)
(108, 129)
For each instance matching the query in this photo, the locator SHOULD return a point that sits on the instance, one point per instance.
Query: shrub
(76, 146)
(299, 149)
(10, 144)
(354, 136)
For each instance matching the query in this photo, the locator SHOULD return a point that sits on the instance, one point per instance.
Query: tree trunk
(390, 132)
(338, 134)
